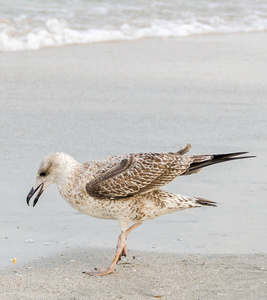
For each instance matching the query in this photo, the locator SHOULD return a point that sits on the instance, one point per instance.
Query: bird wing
(125, 176)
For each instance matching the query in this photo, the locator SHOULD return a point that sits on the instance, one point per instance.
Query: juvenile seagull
(124, 188)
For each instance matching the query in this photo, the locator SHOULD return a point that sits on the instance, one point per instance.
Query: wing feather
(125, 176)
(133, 174)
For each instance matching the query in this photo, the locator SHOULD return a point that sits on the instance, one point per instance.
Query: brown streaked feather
(137, 173)
(125, 176)
(185, 149)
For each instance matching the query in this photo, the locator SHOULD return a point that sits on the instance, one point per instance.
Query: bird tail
(202, 161)
(205, 202)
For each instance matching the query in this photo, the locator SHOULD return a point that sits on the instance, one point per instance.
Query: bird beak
(32, 192)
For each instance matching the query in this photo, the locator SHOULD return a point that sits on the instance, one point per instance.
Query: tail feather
(197, 164)
(204, 202)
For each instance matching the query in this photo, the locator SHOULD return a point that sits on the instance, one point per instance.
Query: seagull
(126, 188)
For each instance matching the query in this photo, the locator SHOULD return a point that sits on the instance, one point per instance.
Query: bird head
(50, 171)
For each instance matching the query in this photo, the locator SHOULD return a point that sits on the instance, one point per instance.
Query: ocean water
(33, 24)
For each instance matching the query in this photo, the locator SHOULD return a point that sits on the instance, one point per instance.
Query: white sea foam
(54, 24)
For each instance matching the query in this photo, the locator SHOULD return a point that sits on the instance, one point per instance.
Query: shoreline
(143, 275)
(143, 39)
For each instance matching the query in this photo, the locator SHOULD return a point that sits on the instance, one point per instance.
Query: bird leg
(121, 245)
(121, 250)
(124, 250)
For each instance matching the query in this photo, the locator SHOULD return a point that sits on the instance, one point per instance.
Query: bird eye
(42, 174)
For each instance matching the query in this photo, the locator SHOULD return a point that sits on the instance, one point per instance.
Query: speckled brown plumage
(124, 188)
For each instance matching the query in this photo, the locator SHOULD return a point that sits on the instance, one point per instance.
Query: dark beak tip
(29, 196)
(32, 192)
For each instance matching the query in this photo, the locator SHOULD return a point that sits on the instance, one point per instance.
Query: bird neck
(68, 169)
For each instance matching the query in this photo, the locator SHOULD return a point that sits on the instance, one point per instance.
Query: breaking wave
(46, 27)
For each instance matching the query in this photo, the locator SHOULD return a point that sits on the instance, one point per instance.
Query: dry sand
(143, 275)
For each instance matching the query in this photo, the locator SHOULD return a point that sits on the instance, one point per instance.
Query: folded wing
(125, 176)
(138, 173)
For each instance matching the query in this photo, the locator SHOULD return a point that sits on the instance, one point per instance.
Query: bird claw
(99, 272)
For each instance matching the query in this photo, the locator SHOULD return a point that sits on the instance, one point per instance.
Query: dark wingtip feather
(231, 156)
(214, 159)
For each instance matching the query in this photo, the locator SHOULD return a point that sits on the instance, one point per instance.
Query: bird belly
(142, 207)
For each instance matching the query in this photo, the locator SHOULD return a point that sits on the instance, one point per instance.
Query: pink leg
(130, 229)
(111, 268)
(121, 250)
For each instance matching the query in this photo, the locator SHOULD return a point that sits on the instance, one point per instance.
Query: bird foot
(99, 272)
(123, 253)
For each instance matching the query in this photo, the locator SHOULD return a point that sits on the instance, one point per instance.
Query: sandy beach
(104, 99)
(143, 275)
